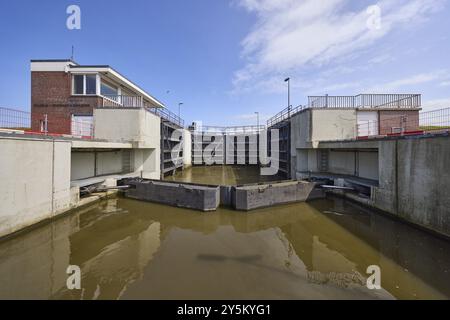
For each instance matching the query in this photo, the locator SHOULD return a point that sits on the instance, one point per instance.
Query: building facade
(64, 95)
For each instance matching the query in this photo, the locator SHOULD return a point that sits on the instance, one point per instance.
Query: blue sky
(227, 59)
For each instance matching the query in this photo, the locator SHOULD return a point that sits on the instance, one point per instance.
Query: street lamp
(257, 121)
(179, 109)
(288, 80)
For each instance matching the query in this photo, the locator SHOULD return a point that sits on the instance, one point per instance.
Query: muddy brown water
(130, 249)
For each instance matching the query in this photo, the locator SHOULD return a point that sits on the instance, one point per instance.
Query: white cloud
(291, 36)
(436, 104)
(409, 81)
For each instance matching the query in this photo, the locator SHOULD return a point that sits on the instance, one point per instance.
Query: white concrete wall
(35, 176)
(300, 131)
(414, 178)
(311, 126)
(88, 164)
(341, 162)
(146, 162)
(109, 162)
(82, 165)
(333, 124)
(135, 125)
(187, 148)
(128, 124)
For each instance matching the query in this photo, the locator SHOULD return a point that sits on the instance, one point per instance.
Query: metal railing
(366, 101)
(388, 101)
(14, 119)
(167, 115)
(21, 122)
(251, 129)
(122, 101)
(284, 114)
(82, 129)
(437, 121)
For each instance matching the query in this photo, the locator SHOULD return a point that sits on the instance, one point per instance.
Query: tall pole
(257, 121)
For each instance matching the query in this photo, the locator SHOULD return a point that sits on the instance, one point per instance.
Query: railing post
(46, 124)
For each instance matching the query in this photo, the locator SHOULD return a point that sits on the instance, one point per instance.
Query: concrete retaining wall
(414, 181)
(184, 195)
(187, 148)
(35, 181)
(413, 175)
(135, 125)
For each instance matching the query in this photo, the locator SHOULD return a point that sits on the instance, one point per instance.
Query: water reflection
(135, 250)
(222, 175)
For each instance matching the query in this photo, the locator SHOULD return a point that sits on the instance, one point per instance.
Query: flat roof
(52, 60)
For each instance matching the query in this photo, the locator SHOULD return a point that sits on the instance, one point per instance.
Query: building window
(85, 84)
(78, 84)
(91, 84)
(107, 90)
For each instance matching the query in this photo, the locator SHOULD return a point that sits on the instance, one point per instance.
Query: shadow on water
(132, 249)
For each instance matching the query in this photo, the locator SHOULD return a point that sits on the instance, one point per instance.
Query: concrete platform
(101, 179)
(183, 195)
(250, 197)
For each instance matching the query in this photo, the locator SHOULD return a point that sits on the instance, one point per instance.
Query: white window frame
(97, 84)
(111, 86)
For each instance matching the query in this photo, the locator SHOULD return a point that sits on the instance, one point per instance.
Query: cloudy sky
(227, 59)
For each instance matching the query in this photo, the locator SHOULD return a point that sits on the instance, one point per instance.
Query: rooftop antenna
(73, 49)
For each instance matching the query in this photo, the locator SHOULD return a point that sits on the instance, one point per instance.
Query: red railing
(437, 121)
(22, 122)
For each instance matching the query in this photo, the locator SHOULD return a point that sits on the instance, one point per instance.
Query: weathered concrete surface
(414, 181)
(97, 158)
(91, 164)
(187, 148)
(113, 124)
(413, 176)
(35, 181)
(255, 196)
(184, 195)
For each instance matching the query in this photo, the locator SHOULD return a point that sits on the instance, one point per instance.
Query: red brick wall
(408, 119)
(51, 95)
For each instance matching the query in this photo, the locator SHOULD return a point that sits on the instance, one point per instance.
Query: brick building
(64, 94)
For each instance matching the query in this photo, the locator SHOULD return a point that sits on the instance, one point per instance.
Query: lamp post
(288, 80)
(257, 121)
(179, 109)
